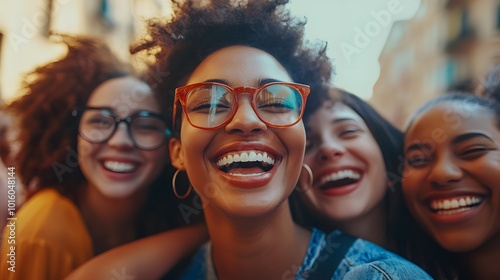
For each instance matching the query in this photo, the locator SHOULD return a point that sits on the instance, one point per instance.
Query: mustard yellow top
(49, 236)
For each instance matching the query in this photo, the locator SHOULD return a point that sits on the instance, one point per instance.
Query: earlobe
(176, 157)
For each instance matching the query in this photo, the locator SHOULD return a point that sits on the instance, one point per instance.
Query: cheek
(295, 140)
(491, 170)
(195, 142)
(412, 177)
(85, 152)
(410, 186)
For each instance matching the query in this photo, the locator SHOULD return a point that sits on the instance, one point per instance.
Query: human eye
(207, 107)
(101, 120)
(277, 105)
(473, 152)
(209, 100)
(417, 158)
(350, 131)
(279, 99)
(148, 124)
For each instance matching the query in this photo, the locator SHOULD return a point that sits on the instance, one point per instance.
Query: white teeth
(453, 211)
(463, 203)
(116, 166)
(249, 156)
(339, 175)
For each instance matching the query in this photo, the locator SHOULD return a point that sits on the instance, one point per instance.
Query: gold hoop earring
(174, 188)
(311, 178)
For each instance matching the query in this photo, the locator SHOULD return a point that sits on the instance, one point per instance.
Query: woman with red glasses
(239, 75)
(93, 135)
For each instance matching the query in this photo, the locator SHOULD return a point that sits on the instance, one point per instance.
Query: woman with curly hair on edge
(94, 136)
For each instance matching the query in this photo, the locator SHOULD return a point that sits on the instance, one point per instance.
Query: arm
(147, 258)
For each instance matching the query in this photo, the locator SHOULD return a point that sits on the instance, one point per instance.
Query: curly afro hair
(180, 44)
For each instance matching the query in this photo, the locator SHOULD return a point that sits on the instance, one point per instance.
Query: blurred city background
(396, 54)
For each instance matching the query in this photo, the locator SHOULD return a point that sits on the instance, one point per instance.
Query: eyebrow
(456, 140)
(261, 82)
(416, 146)
(467, 136)
(344, 120)
(336, 121)
(100, 108)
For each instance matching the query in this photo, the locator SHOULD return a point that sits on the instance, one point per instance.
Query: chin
(118, 191)
(458, 244)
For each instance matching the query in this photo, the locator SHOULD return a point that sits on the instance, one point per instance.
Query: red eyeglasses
(212, 105)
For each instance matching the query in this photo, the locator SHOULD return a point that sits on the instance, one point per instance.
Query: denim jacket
(364, 260)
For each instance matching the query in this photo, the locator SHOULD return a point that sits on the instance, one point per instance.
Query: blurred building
(448, 46)
(25, 26)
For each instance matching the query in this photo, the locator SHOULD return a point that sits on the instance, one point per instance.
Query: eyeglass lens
(98, 126)
(211, 105)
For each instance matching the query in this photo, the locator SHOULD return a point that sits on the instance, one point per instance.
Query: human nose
(245, 119)
(120, 137)
(330, 150)
(445, 172)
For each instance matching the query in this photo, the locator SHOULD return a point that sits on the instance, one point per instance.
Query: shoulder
(50, 220)
(365, 259)
(362, 260)
(49, 212)
(50, 238)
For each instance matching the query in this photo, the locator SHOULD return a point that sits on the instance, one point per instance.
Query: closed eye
(417, 162)
(350, 132)
(474, 152)
(278, 106)
(208, 107)
(417, 158)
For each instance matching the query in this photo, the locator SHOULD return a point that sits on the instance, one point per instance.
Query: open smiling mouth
(339, 179)
(119, 167)
(246, 163)
(455, 205)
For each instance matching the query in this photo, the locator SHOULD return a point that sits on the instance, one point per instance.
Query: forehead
(125, 95)
(329, 112)
(444, 121)
(239, 65)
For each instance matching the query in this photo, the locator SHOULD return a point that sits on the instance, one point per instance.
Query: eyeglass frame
(182, 92)
(77, 112)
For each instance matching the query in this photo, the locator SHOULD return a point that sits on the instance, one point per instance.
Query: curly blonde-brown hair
(47, 130)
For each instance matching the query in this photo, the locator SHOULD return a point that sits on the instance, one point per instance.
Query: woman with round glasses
(94, 136)
(239, 77)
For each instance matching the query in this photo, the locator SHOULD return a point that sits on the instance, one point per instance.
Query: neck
(482, 263)
(240, 245)
(370, 226)
(110, 221)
